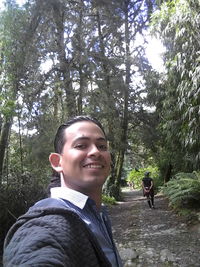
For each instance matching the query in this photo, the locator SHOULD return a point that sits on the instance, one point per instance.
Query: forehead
(83, 129)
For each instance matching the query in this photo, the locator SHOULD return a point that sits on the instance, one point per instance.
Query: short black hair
(60, 140)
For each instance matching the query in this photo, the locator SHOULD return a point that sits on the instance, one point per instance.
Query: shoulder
(46, 218)
(48, 202)
(43, 231)
(52, 212)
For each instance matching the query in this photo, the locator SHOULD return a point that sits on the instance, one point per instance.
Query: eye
(102, 147)
(80, 146)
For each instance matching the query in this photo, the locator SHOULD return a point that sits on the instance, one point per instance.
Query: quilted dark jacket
(52, 235)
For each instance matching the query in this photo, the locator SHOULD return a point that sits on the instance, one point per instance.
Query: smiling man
(71, 228)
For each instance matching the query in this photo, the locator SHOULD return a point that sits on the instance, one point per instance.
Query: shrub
(183, 190)
(136, 177)
(108, 200)
(15, 199)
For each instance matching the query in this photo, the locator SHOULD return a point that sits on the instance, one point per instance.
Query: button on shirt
(98, 222)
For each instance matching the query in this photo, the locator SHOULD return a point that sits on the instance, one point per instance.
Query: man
(148, 190)
(71, 227)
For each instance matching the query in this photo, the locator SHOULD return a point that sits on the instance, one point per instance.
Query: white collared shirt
(98, 222)
(75, 197)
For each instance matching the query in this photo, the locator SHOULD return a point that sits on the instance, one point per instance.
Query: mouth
(93, 166)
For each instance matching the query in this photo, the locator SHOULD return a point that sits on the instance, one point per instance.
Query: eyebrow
(88, 138)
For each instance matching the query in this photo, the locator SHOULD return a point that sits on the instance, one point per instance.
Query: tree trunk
(3, 143)
(168, 173)
(65, 64)
(123, 139)
(81, 65)
(113, 188)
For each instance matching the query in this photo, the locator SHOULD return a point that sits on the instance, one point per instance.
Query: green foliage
(55, 67)
(176, 23)
(183, 190)
(136, 177)
(7, 106)
(112, 190)
(15, 199)
(108, 200)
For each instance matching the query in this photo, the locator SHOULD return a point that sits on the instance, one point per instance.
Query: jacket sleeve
(50, 240)
(35, 243)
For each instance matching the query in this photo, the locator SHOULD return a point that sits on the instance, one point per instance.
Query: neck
(97, 197)
(93, 193)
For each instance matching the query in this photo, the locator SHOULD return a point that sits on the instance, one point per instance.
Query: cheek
(75, 156)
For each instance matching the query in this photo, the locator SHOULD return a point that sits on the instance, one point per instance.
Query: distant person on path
(148, 190)
(71, 228)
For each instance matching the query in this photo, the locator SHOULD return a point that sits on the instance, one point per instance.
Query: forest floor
(153, 238)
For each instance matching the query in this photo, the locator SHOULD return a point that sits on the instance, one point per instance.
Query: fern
(183, 189)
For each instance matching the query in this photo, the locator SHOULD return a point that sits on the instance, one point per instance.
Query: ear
(55, 160)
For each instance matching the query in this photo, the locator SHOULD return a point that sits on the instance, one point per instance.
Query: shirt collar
(75, 197)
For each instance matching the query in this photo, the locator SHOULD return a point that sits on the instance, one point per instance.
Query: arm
(61, 240)
(151, 185)
(143, 187)
(34, 242)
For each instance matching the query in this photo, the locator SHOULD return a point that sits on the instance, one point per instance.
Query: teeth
(92, 166)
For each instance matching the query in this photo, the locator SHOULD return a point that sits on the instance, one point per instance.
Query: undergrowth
(183, 190)
(108, 200)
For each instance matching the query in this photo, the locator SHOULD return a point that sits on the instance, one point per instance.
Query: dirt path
(153, 238)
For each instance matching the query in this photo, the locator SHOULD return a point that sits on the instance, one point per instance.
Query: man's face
(85, 159)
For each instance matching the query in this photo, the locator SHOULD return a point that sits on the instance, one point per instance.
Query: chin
(95, 181)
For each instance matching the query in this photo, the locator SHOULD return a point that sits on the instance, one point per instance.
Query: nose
(93, 151)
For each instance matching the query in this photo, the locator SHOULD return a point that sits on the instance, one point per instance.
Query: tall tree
(80, 58)
(15, 43)
(177, 25)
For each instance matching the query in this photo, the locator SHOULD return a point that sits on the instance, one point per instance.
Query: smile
(93, 166)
